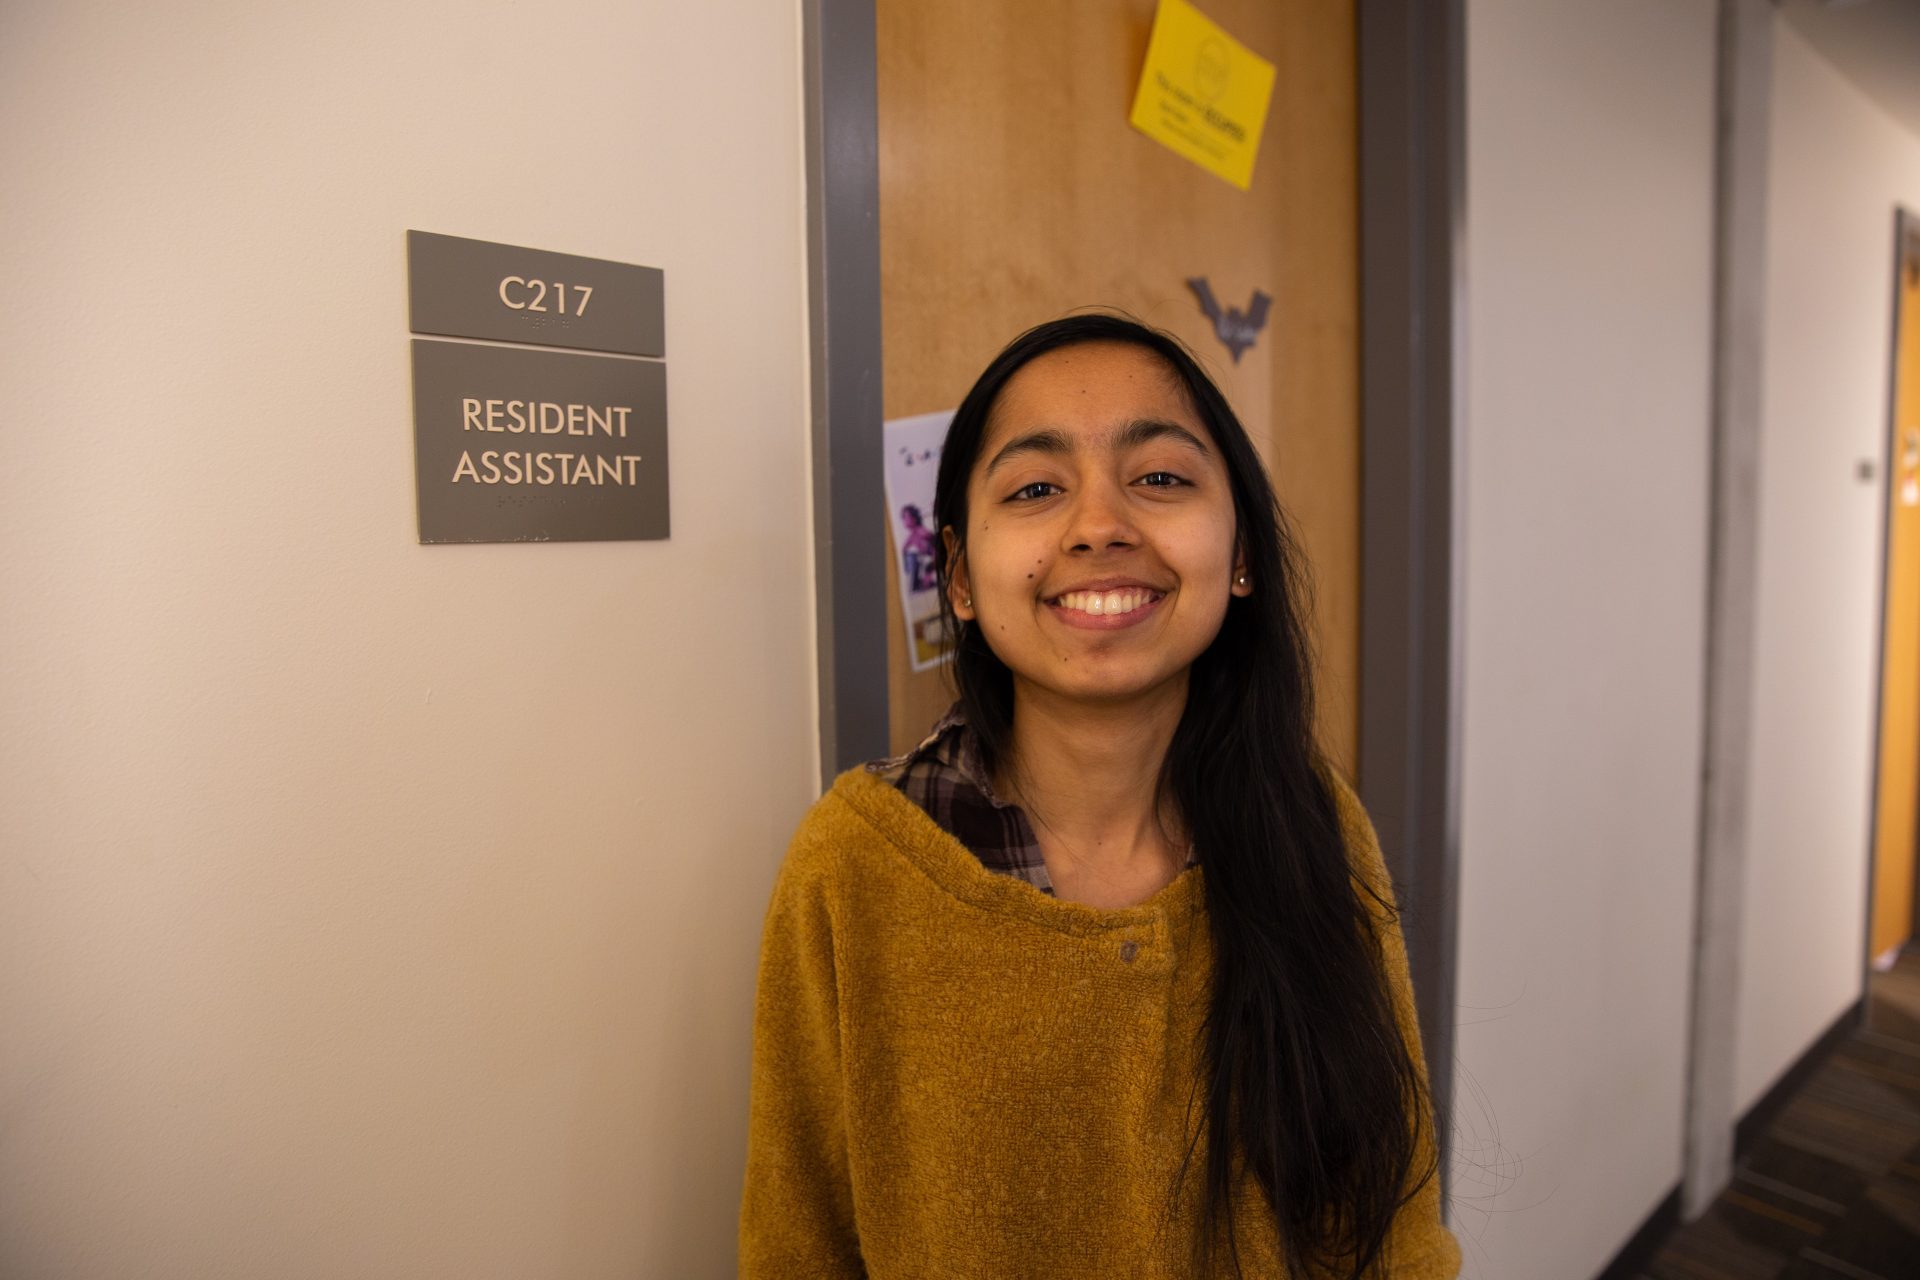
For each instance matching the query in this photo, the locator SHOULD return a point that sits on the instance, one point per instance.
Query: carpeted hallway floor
(1832, 1187)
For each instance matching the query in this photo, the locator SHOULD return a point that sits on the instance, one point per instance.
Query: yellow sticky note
(1203, 93)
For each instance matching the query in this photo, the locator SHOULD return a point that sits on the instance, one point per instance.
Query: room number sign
(477, 289)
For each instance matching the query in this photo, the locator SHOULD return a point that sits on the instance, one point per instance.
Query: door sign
(517, 445)
(524, 444)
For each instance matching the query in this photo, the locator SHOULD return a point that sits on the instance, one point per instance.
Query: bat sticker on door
(1235, 328)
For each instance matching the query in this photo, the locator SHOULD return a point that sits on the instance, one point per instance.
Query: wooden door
(1898, 783)
(1013, 190)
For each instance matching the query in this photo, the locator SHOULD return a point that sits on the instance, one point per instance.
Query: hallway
(1832, 1187)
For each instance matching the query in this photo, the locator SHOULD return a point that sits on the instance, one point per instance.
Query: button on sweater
(958, 1075)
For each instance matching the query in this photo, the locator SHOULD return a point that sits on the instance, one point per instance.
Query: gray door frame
(1412, 292)
(843, 304)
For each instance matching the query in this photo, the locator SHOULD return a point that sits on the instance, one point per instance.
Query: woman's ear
(1241, 584)
(959, 587)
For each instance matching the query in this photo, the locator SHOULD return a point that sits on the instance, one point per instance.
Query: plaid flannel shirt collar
(946, 775)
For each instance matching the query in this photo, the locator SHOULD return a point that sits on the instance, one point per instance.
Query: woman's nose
(1099, 519)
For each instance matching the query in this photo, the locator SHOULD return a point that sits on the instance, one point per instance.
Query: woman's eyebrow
(1136, 433)
(1047, 441)
(1145, 430)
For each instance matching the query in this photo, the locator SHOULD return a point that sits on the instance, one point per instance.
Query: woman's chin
(1101, 687)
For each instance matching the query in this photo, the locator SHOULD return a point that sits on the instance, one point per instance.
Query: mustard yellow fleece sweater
(956, 1075)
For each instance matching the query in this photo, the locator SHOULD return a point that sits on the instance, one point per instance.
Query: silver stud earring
(1241, 580)
(968, 602)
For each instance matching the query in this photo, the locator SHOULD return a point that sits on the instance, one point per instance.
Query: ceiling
(1874, 43)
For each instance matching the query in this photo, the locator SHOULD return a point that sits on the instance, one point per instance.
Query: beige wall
(1588, 266)
(370, 909)
(1838, 166)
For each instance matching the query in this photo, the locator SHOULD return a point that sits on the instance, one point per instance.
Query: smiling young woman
(1105, 976)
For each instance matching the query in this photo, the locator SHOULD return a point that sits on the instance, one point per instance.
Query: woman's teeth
(1103, 602)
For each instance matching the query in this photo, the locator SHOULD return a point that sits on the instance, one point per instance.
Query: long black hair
(1306, 1076)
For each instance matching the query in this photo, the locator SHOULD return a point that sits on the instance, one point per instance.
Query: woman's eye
(1161, 479)
(1025, 493)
